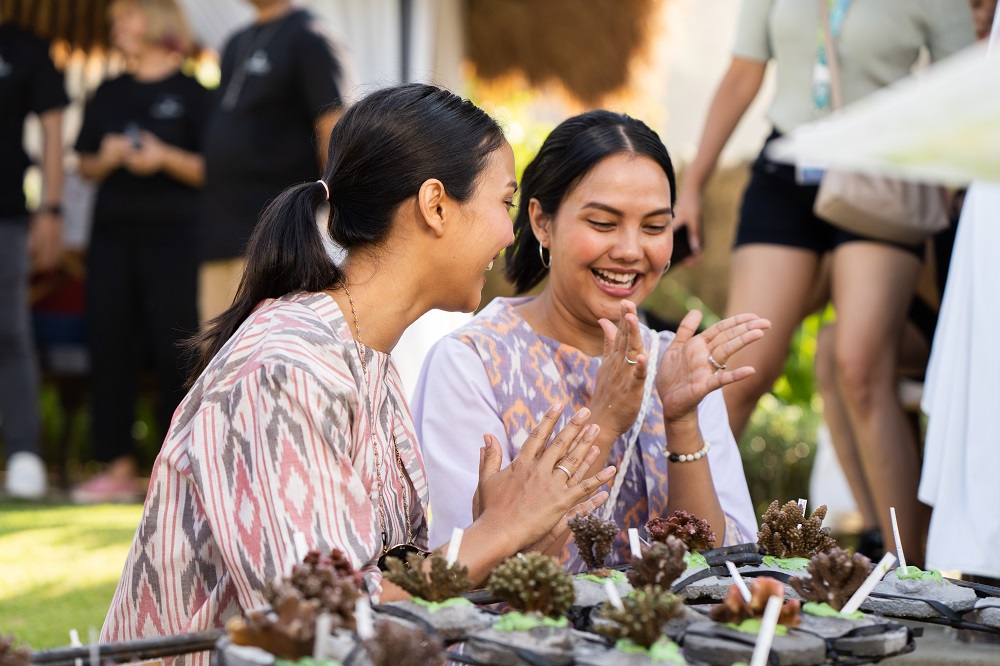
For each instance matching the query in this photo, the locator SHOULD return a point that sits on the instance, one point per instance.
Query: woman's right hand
(621, 379)
(527, 500)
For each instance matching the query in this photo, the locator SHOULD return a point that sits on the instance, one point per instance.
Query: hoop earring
(541, 255)
(666, 268)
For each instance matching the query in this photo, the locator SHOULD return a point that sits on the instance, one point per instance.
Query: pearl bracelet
(688, 457)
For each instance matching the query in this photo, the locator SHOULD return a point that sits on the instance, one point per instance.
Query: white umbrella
(941, 125)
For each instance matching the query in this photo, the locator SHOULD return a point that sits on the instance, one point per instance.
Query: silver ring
(716, 364)
(630, 361)
(569, 474)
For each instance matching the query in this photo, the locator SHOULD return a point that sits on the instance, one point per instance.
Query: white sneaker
(26, 476)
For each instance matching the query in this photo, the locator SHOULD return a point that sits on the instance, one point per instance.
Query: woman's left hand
(694, 365)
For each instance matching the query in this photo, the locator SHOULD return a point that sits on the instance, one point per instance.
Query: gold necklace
(375, 448)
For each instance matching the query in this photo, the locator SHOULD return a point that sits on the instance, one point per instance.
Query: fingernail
(554, 409)
(593, 430)
(583, 414)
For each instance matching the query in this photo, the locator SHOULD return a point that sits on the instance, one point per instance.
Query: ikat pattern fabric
(496, 375)
(274, 438)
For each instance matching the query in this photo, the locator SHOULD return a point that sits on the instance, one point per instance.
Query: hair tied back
(326, 188)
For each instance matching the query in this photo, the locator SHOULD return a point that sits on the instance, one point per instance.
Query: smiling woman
(595, 219)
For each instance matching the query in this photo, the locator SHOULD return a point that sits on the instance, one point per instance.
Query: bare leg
(841, 433)
(774, 282)
(872, 287)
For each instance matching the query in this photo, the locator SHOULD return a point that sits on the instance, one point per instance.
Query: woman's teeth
(616, 279)
(490, 267)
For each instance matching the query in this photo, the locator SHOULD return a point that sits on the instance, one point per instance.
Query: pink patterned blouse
(273, 439)
(496, 375)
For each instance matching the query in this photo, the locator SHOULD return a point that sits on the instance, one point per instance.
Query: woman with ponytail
(295, 428)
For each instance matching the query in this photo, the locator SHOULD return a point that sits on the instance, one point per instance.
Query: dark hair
(381, 151)
(568, 154)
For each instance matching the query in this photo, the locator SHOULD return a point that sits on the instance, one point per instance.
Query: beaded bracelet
(689, 457)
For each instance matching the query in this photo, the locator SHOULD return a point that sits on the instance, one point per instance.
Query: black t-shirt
(175, 110)
(29, 83)
(278, 78)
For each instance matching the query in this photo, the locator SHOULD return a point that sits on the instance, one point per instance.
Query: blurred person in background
(914, 352)
(780, 242)
(982, 14)
(141, 142)
(279, 96)
(29, 84)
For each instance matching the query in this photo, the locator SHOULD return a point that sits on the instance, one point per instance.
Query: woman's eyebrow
(614, 211)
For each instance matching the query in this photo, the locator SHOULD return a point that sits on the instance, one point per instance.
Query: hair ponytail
(285, 254)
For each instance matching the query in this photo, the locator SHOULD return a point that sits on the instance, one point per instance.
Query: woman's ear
(432, 201)
(540, 222)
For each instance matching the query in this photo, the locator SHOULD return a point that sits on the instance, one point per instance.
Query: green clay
(515, 621)
(915, 573)
(824, 609)
(662, 651)
(614, 576)
(787, 563)
(435, 606)
(695, 561)
(752, 626)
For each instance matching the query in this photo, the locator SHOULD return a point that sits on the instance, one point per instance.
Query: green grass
(59, 566)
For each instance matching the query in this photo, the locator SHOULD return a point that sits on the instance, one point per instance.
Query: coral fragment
(660, 565)
(533, 583)
(593, 538)
(440, 583)
(834, 577)
(785, 531)
(696, 533)
(642, 617)
(734, 608)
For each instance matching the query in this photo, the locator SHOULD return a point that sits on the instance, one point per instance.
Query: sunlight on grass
(59, 566)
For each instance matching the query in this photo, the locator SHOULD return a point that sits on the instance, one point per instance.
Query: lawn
(59, 566)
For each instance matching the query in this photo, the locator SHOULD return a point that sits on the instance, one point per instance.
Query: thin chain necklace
(375, 447)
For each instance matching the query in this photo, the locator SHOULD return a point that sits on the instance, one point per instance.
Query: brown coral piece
(440, 583)
(533, 583)
(330, 580)
(396, 644)
(11, 655)
(735, 609)
(642, 617)
(834, 577)
(593, 538)
(660, 564)
(786, 532)
(696, 533)
(288, 628)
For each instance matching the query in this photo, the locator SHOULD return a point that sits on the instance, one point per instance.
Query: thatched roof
(587, 45)
(79, 24)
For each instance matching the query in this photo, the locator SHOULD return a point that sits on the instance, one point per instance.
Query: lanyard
(821, 68)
